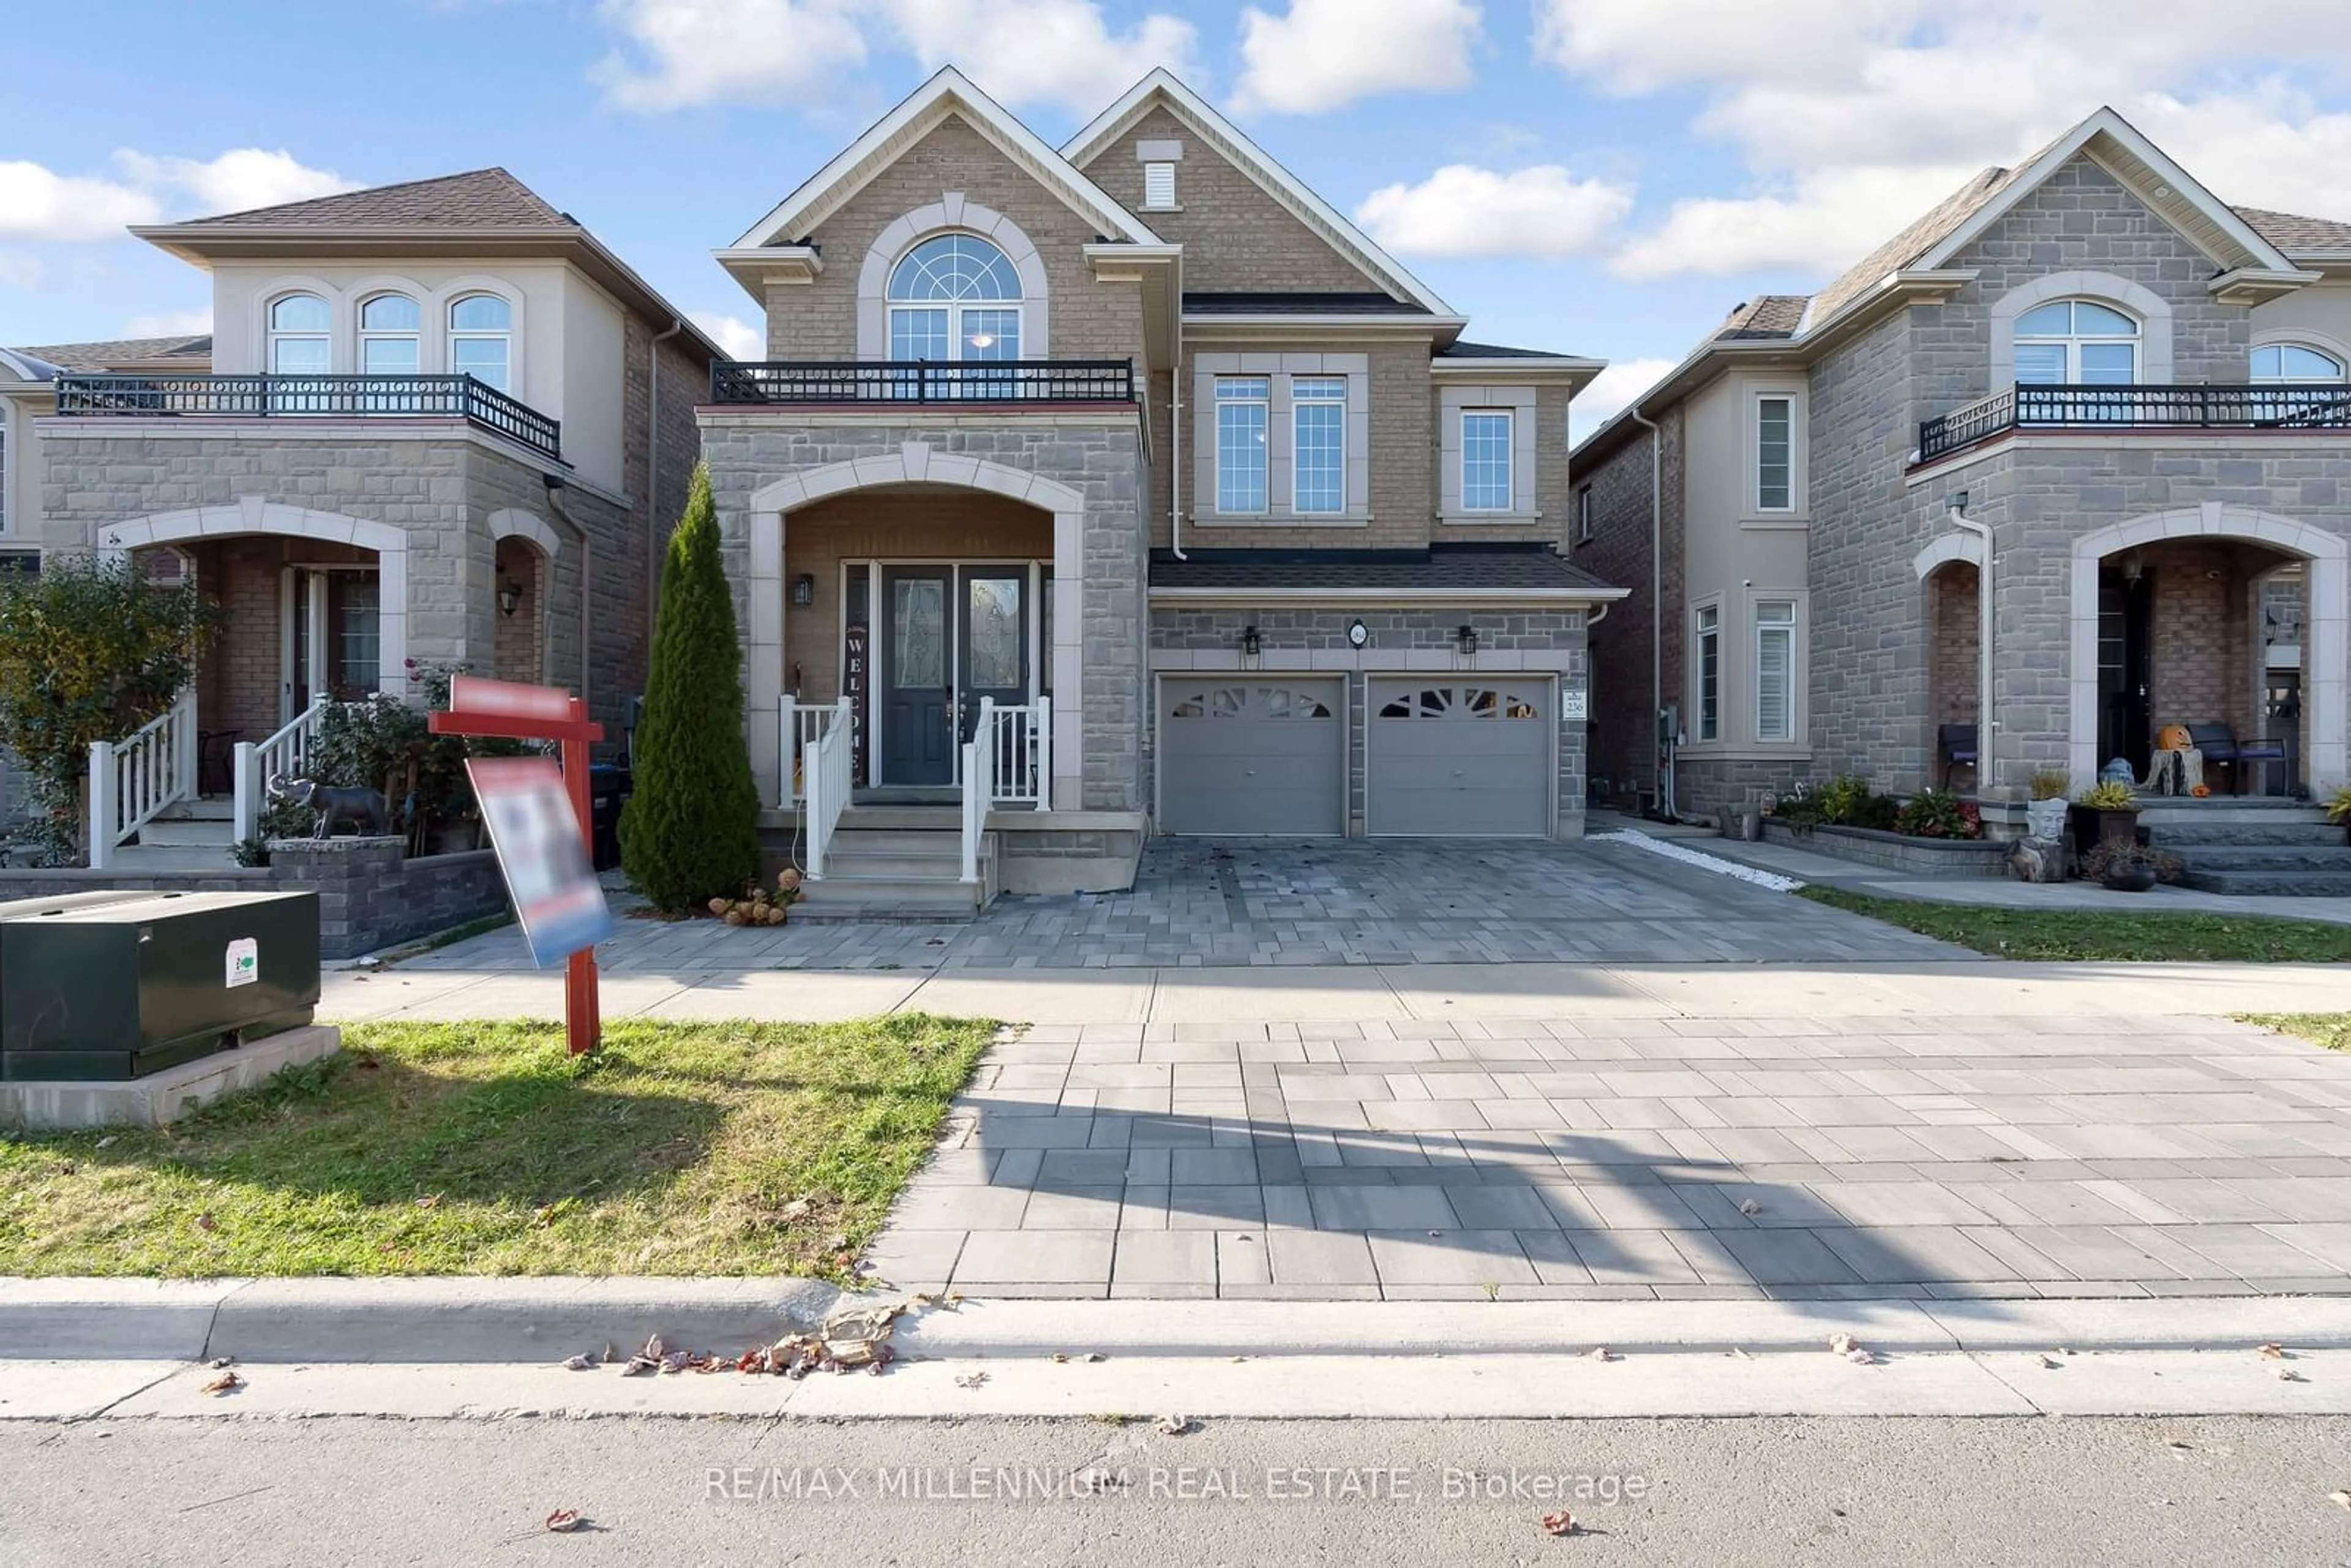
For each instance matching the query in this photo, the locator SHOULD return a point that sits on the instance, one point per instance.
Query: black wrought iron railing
(350, 397)
(2286, 407)
(923, 380)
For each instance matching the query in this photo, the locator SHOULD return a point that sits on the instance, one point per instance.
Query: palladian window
(955, 296)
(2077, 342)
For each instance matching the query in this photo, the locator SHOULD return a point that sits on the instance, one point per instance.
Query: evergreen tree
(690, 830)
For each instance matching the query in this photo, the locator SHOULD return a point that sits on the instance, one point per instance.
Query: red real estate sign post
(479, 706)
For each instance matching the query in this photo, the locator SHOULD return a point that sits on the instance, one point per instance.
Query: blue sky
(1603, 177)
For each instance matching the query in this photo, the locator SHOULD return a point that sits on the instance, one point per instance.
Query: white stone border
(951, 212)
(1699, 857)
(252, 515)
(2325, 644)
(2152, 310)
(513, 522)
(916, 463)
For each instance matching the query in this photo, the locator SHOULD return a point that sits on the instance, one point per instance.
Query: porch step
(2334, 855)
(188, 830)
(2180, 837)
(204, 808)
(2272, 883)
(899, 898)
(2217, 811)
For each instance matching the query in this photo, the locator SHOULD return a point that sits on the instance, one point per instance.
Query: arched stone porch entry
(2328, 566)
(524, 551)
(911, 462)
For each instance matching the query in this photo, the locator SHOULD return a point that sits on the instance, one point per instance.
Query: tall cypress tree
(690, 831)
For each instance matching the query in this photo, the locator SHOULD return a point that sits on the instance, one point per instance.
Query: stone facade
(1511, 640)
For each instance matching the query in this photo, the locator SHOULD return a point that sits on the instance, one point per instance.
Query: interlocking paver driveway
(1318, 902)
(1657, 1158)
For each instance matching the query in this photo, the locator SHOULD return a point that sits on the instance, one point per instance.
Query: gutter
(1659, 774)
(655, 541)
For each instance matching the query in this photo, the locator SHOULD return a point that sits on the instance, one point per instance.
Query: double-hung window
(1318, 426)
(481, 344)
(1486, 480)
(391, 336)
(1241, 408)
(2077, 342)
(1709, 673)
(1585, 525)
(1775, 455)
(1775, 669)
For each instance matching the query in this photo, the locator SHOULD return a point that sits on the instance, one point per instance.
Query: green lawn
(2332, 1030)
(2105, 935)
(481, 1148)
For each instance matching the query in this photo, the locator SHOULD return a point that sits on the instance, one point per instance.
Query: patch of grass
(2108, 935)
(2332, 1030)
(452, 936)
(482, 1148)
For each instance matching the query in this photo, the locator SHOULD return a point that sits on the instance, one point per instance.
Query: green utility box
(98, 987)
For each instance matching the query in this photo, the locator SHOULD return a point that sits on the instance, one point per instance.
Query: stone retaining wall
(1897, 851)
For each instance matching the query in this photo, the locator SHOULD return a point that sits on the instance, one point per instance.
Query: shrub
(2114, 853)
(2049, 784)
(90, 651)
(690, 831)
(2110, 795)
(1938, 814)
(2338, 806)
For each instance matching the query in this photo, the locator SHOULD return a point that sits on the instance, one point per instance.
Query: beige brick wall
(1954, 686)
(948, 526)
(2205, 651)
(1088, 320)
(1236, 237)
(520, 636)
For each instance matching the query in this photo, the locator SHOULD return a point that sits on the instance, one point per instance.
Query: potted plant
(2106, 812)
(2128, 867)
(2044, 813)
(2338, 808)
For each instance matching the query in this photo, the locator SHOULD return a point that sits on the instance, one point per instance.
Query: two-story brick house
(2119, 405)
(436, 425)
(1142, 435)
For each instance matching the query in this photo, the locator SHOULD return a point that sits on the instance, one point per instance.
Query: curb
(422, 1321)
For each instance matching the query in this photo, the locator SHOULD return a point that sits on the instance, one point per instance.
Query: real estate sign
(542, 854)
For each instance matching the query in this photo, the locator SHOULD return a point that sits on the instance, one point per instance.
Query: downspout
(1984, 726)
(587, 576)
(1660, 775)
(1175, 460)
(654, 542)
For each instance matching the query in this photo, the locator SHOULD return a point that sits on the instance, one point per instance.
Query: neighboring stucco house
(2133, 396)
(1143, 427)
(436, 425)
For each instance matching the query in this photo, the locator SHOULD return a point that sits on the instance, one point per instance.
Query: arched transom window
(955, 296)
(391, 329)
(2077, 342)
(2295, 362)
(481, 340)
(297, 335)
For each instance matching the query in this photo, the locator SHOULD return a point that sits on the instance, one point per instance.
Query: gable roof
(113, 352)
(1162, 87)
(2299, 237)
(947, 92)
(1914, 239)
(478, 199)
(1765, 316)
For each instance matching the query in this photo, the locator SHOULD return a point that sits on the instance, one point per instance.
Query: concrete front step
(891, 898)
(2269, 883)
(2262, 857)
(205, 809)
(2185, 836)
(187, 832)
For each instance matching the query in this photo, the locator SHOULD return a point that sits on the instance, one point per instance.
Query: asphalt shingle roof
(1462, 349)
(1766, 315)
(105, 356)
(2292, 233)
(1301, 303)
(1534, 567)
(482, 199)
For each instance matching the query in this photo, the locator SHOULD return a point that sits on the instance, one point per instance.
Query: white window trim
(2074, 342)
(451, 335)
(950, 212)
(2151, 310)
(366, 335)
(272, 336)
(2315, 342)
(1794, 628)
(1751, 454)
(955, 309)
(1219, 402)
(1297, 404)
(1693, 720)
(1279, 369)
(1509, 418)
(8, 466)
(1586, 529)
(1520, 402)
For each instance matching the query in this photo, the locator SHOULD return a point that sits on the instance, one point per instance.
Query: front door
(2126, 667)
(994, 655)
(917, 690)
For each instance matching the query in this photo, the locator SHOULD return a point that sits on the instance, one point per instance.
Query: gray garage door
(1252, 755)
(1458, 759)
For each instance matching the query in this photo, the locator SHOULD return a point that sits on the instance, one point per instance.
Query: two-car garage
(1254, 753)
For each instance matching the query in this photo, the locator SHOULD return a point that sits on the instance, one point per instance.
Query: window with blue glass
(1241, 409)
(955, 296)
(1318, 406)
(1485, 460)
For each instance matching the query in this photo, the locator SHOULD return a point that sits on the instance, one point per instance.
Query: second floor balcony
(461, 397)
(2286, 407)
(958, 382)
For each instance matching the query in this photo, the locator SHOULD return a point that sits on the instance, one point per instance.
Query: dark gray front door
(917, 689)
(994, 654)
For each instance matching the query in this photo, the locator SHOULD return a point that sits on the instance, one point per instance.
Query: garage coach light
(1248, 641)
(1467, 638)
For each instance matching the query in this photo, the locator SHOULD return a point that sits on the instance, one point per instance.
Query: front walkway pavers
(1660, 1159)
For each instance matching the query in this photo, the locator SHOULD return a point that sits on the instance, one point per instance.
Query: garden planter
(2102, 825)
(454, 838)
(2131, 878)
(2046, 819)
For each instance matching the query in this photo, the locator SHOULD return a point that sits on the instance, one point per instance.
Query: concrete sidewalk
(1374, 995)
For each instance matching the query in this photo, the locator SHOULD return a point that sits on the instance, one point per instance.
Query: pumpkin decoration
(2201, 790)
(2173, 737)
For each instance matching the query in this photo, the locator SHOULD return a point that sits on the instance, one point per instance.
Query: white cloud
(1058, 52)
(168, 324)
(38, 204)
(1822, 224)
(1328, 52)
(691, 52)
(22, 269)
(237, 180)
(1607, 394)
(1638, 46)
(1463, 210)
(741, 338)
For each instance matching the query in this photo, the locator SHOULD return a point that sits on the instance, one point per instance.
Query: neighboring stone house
(436, 424)
(2138, 396)
(1145, 428)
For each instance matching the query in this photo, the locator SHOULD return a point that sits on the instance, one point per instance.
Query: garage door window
(1277, 702)
(1225, 702)
(1459, 702)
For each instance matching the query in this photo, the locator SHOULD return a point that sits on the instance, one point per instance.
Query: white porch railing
(800, 726)
(828, 780)
(133, 778)
(1007, 760)
(285, 755)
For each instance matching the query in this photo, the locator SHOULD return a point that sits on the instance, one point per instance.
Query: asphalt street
(770, 1490)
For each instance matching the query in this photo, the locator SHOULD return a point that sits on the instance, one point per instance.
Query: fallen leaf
(108, 1142)
(226, 1383)
(1559, 1523)
(971, 1380)
(564, 1521)
(1740, 1354)
(369, 1064)
(577, 1363)
(1843, 1343)
(2288, 1375)
(1096, 1355)
(797, 1207)
(1860, 1357)
(2050, 1361)
(655, 1349)
(1600, 1352)
(206, 1222)
(1749, 1206)
(219, 1362)
(432, 1202)
(2340, 1499)
(1061, 1356)
(1174, 1425)
(2273, 1351)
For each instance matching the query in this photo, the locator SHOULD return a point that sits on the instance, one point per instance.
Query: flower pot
(2046, 819)
(2131, 878)
(2103, 825)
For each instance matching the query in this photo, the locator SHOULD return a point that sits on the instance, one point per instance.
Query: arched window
(297, 335)
(481, 340)
(2295, 362)
(955, 296)
(391, 330)
(2077, 342)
